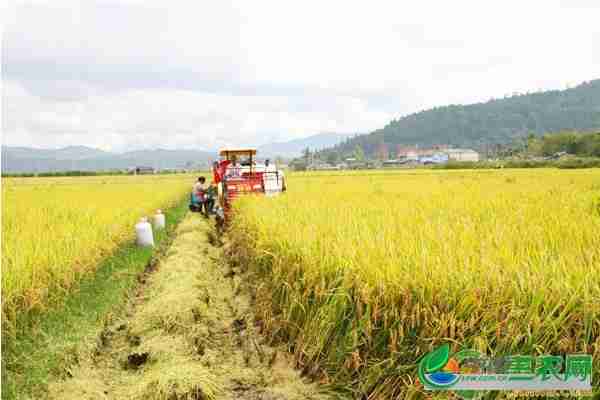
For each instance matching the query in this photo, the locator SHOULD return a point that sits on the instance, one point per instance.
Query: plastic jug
(143, 231)
(159, 220)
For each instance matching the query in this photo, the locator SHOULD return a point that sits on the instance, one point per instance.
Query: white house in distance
(415, 153)
(462, 155)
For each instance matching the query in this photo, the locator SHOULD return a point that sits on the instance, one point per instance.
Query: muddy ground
(189, 333)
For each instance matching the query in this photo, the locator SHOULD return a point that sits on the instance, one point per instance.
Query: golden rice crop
(365, 272)
(55, 229)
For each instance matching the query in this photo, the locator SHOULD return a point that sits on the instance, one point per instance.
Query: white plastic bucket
(143, 232)
(159, 220)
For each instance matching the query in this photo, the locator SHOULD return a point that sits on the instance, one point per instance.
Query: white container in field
(143, 232)
(159, 220)
(273, 182)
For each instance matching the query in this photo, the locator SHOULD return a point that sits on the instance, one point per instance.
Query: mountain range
(83, 158)
(498, 121)
(294, 148)
(495, 122)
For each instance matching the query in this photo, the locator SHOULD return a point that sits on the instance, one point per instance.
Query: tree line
(498, 122)
(580, 144)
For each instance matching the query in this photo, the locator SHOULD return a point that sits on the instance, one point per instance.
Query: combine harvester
(237, 174)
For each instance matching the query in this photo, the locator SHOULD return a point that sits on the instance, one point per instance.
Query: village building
(462, 155)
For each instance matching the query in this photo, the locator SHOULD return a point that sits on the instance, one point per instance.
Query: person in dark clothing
(211, 195)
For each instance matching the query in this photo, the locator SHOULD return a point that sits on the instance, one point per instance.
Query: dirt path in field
(189, 334)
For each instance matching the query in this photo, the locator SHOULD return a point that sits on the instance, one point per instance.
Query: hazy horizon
(151, 148)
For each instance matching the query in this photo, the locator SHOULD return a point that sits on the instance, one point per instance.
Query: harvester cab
(237, 174)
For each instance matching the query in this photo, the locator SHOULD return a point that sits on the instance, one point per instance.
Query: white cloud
(148, 118)
(203, 74)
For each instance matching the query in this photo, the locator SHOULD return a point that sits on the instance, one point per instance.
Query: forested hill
(497, 121)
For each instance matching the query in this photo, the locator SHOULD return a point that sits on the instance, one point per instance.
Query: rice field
(56, 229)
(364, 272)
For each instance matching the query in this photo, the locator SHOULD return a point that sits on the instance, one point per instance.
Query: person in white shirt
(271, 179)
(269, 167)
(200, 185)
(233, 169)
(200, 188)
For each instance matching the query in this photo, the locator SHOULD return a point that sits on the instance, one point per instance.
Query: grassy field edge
(45, 344)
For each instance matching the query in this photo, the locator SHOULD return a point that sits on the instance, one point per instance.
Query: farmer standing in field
(199, 190)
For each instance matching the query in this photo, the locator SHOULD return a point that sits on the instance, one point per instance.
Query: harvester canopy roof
(237, 151)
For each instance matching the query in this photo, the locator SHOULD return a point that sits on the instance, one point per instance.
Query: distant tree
(333, 157)
(359, 153)
(533, 144)
(306, 154)
(581, 144)
(298, 164)
(590, 145)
